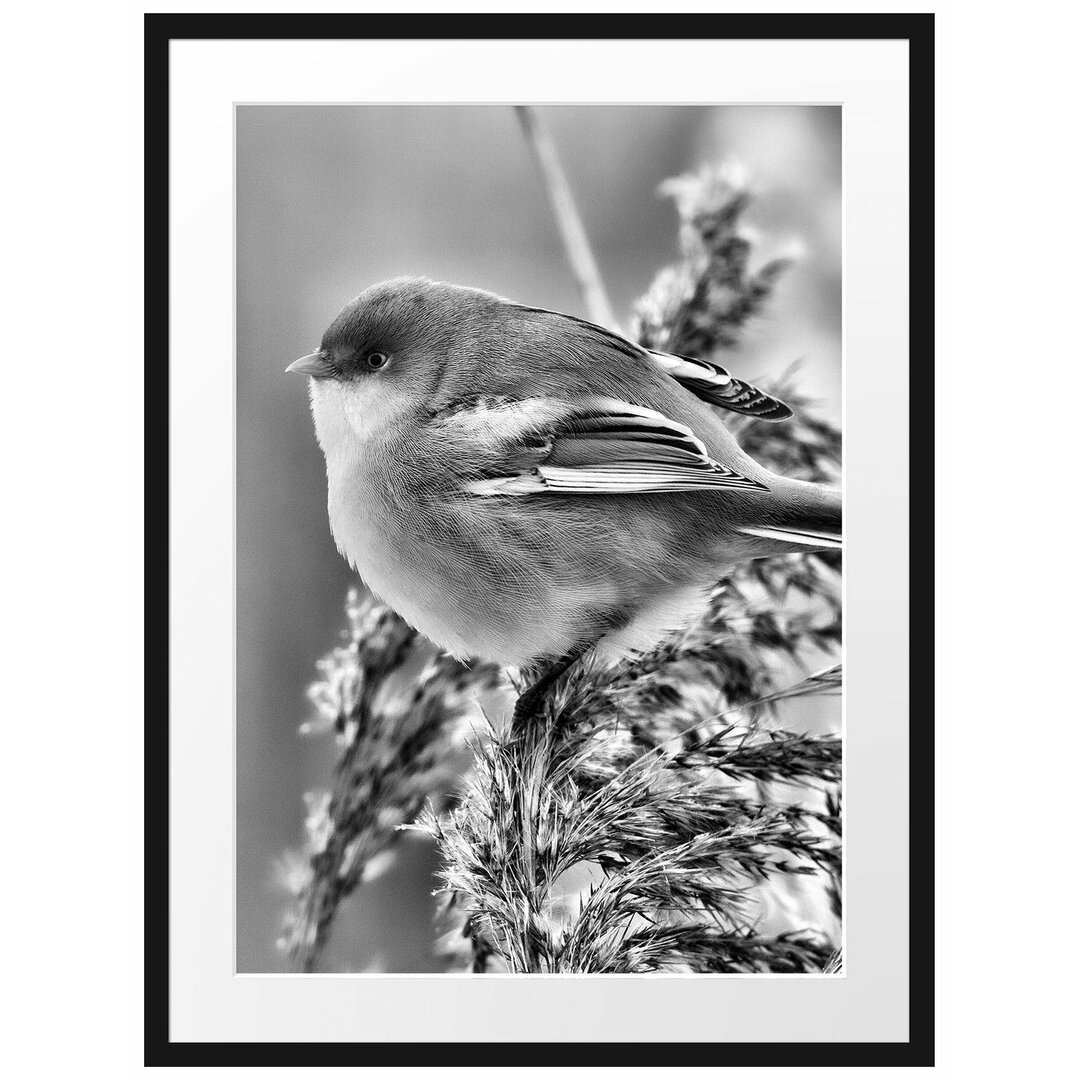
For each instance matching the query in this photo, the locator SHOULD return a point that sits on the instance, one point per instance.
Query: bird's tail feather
(814, 541)
(803, 516)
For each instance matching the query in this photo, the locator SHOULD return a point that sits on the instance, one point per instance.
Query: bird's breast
(399, 547)
(364, 519)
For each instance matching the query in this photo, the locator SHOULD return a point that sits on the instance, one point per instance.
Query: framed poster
(606, 735)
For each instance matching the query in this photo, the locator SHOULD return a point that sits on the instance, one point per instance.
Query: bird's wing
(713, 384)
(705, 380)
(598, 446)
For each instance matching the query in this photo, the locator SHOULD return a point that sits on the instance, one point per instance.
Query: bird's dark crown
(396, 315)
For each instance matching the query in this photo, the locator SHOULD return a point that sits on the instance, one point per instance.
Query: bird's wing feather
(596, 446)
(703, 379)
(713, 384)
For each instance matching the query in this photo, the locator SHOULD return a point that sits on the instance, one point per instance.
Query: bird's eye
(376, 360)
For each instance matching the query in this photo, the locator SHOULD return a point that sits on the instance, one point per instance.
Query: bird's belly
(485, 578)
(652, 620)
(461, 600)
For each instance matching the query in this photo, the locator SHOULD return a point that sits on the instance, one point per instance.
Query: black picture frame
(159, 31)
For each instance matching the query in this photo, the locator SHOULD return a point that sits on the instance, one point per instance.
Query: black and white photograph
(539, 539)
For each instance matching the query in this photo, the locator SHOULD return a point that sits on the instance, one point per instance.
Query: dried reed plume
(397, 708)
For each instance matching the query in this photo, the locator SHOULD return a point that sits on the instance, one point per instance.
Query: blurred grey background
(330, 199)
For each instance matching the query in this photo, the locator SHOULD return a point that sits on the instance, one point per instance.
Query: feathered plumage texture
(519, 484)
(713, 384)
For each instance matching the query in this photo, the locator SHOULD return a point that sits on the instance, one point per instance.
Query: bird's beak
(314, 364)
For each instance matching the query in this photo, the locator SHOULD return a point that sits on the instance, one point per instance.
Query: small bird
(530, 488)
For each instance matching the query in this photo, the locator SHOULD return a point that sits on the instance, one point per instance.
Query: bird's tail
(800, 517)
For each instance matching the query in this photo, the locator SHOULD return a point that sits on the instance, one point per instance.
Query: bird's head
(381, 360)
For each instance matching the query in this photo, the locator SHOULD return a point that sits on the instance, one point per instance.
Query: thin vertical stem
(575, 239)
